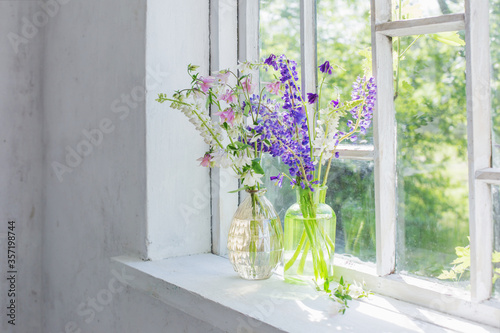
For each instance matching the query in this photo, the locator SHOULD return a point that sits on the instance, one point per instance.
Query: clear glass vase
(255, 241)
(309, 242)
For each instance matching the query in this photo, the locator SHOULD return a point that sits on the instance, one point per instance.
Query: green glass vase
(309, 238)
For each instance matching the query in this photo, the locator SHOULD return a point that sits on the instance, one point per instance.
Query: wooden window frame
(475, 305)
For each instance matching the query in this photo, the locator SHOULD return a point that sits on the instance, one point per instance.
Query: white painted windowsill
(206, 287)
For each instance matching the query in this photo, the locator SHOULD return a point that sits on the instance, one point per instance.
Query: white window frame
(475, 305)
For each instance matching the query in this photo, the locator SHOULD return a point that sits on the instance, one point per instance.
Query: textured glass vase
(309, 240)
(255, 241)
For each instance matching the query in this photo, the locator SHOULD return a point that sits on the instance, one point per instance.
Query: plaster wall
(21, 160)
(74, 150)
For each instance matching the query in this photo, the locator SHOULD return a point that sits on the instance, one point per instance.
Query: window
(378, 222)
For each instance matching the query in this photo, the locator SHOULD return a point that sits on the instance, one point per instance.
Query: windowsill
(206, 287)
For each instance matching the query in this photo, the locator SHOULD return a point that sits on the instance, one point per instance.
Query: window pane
(412, 9)
(495, 84)
(344, 39)
(351, 195)
(496, 242)
(282, 198)
(431, 157)
(279, 30)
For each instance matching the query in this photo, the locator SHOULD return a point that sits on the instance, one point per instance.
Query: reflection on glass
(414, 9)
(495, 77)
(279, 30)
(351, 195)
(432, 186)
(281, 198)
(496, 240)
(344, 39)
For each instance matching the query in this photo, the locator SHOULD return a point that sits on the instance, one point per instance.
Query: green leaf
(257, 168)
(462, 251)
(238, 190)
(496, 256)
(449, 38)
(246, 110)
(447, 275)
(407, 86)
(237, 145)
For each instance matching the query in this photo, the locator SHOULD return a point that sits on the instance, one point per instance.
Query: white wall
(85, 69)
(178, 188)
(21, 166)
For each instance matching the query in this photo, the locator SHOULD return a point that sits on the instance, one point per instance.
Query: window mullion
(422, 26)
(223, 54)
(479, 145)
(384, 135)
(308, 47)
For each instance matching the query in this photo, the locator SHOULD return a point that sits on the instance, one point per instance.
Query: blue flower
(271, 61)
(312, 98)
(326, 68)
(278, 179)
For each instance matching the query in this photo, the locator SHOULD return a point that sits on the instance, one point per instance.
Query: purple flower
(337, 155)
(271, 61)
(312, 98)
(278, 179)
(326, 68)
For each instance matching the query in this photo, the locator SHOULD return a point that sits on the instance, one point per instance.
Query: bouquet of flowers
(231, 141)
(276, 120)
(305, 142)
(255, 241)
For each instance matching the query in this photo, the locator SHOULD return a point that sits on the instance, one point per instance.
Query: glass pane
(279, 30)
(413, 9)
(351, 195)
(284, 197)
(431, 157)
(496, 241)
(495, 76)
(344, 39)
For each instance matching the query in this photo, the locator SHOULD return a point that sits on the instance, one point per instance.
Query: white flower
(222, 159)
(243, 160)
(244, 67)
(252, 179)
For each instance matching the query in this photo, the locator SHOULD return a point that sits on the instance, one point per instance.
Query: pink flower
(274, 87)
(226, 116)
(247, 85)
(206, 83)
(205, 160)
(228, 97)
(223, 77)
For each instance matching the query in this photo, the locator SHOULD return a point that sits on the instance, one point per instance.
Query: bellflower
(274, 87)
(223, 77)
(226, 116)
(278, 179)
(312, 98)
(326, 68)
(228, 97)
(247, 85)
(206, 160)
(252, 178)
(206, 83)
